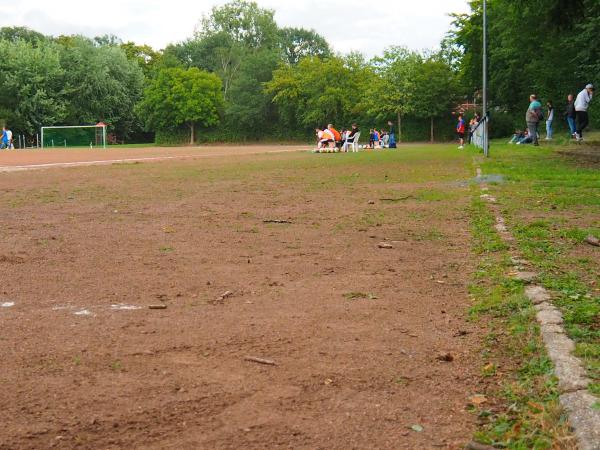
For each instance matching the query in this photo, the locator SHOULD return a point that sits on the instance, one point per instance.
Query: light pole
(486, 141)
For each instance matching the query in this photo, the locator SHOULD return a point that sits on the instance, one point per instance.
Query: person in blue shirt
(533, 117)
(4, 140)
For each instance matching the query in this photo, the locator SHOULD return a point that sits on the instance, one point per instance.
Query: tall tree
(100, 84)
(298, 43)
(181, 97)
(392, 92)
(436, 90)
(32, 92)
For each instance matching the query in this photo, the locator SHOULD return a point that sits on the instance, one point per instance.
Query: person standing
(4, 139)
(533, 117)
(392, 133)
(9, 137)
(549, 120)
(460, 131)
(582, 103)
(570, 114)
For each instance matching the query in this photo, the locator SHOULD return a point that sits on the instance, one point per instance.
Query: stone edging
(572, 379)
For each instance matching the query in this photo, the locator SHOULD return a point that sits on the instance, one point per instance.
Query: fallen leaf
(417, 428)
(478, 399)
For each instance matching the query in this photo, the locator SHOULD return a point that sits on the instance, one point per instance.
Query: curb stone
(577, 401)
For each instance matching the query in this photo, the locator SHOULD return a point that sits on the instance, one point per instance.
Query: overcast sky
(366, 26)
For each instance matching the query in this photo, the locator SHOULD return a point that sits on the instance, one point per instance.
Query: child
(460, 130)
(371, 138)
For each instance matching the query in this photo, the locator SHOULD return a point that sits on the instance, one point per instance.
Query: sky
(348, 25)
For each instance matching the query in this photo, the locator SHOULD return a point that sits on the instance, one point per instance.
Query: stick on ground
(268, 362)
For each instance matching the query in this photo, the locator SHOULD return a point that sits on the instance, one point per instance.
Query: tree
(144, 55)
(244, 21)
(436, 90)
(392, 92)
(31, 84)
(100, 84)
(316, 92)
(181, 97)
(298, 43)
(14, 34)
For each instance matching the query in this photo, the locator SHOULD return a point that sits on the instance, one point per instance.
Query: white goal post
(74, 136)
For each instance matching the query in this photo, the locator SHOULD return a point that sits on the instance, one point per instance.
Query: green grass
(551, 201)
(529, 415)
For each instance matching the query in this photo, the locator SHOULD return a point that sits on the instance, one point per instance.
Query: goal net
(91, 136)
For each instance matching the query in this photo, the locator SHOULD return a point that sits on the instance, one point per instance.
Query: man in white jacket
(582, 103)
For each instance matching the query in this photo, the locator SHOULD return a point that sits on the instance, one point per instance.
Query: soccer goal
(92, 136)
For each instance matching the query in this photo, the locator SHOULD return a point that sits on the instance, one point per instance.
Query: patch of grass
(529, 415)
(552, 203)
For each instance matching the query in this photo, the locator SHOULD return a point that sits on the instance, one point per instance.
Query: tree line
(241, 77)
(543, 47)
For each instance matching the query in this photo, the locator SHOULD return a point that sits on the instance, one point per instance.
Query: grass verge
(525, 412)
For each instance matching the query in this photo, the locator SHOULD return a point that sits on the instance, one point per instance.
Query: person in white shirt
(9, 136)
(582, 103)
(549, 120)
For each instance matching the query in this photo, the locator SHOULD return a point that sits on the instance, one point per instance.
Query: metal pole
(486, 142)
(104, 135)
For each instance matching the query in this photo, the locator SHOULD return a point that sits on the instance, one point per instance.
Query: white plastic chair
(353, 143)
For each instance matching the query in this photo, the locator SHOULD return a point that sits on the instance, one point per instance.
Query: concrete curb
(577, 401)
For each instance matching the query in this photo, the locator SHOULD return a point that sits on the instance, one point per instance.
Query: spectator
(526, 139)
(473, 123)
(460, 131)
(570, 115)
(336, 135)
(582, 103)
(549, 119)
(533, 117)
(371, 138)
(9, 136)
(519, 134)
(384, 139)
(4, 140)
(350, 136)
(392, 134)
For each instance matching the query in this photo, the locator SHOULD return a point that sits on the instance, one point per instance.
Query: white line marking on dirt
(128, 160)
(7, 304)
(122, 307)
(83, 312)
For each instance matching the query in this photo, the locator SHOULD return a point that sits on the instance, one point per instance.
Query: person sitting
(325, 139)
(519, 134)
(384, 139)
(349, 137)
(336, 136)
(526, 139)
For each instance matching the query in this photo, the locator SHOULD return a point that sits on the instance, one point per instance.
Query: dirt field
(354, 330)
(43, 159)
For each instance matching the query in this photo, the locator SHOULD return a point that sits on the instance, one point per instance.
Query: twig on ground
(276, 221)
(267, 362)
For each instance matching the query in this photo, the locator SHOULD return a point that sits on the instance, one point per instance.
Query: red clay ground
(28, 159)
(77, 372)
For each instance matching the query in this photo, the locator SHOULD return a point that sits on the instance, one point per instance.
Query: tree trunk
(192, 133)
(432, 130)
(399, 127)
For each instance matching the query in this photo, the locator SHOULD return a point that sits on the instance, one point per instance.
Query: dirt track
(78, 372)
(30, 159)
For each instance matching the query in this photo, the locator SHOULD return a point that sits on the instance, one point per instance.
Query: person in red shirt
(460, 130)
